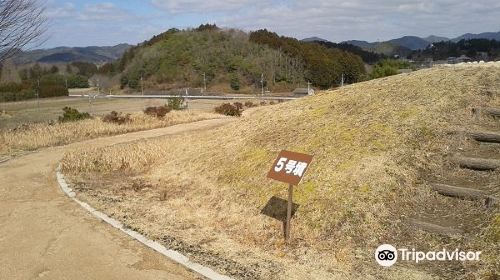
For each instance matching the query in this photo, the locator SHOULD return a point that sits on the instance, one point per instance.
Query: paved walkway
(45, 235)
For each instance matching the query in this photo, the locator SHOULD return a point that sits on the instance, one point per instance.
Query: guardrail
(216, 97)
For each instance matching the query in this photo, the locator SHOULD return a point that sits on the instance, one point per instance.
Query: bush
(238, 105)
(52, 90)
(117, 118)
(71, 115)
(263, 103)
(77, 81)
(388, 67)
(52, 85)
(158, 112)
(16, 92)
(249, 104)
(235, 83)
(228, 110)
(123, 81)
(175, 103)
(17, 96)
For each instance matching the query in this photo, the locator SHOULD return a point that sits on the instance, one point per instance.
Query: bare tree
(22, 22)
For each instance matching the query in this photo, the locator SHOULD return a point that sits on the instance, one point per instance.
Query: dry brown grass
(373, 142)
(33, 136)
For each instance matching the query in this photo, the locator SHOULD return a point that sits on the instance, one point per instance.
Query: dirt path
(44, 235)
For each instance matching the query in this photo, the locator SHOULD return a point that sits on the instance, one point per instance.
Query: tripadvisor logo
(387, 255)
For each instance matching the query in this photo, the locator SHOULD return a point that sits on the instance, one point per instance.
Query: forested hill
(324, 66)
(232, 59)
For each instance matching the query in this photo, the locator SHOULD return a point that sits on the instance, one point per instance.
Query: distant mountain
(367, 56)
(404, 45)
(410, 42)
(314, 39)
(388, 48)
(91, 54)
(435, 39)
(485, 35)
(361, 44)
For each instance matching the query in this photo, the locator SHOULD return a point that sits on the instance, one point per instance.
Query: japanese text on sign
(290, 167)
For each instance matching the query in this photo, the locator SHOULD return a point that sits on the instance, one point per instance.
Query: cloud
(339, 20)
(200, 6)
(105, 11)
(336, 20)
(65, 10)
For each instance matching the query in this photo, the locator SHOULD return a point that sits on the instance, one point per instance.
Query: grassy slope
(373, 143)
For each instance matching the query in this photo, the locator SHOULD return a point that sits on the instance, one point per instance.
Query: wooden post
(289, 212)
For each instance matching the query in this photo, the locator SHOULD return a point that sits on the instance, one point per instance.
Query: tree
(68, 69)
(22, 22)
(235, 82)
(54, 69)
(77, 81)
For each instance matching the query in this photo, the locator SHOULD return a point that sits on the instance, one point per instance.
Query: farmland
(17, 113)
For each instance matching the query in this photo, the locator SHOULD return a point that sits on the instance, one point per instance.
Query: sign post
(289, 168)
(289, 212)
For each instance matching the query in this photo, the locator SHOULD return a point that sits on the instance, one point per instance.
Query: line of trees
(473, 48)
(47, 81)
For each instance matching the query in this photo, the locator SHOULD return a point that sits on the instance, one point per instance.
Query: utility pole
(204, 82)
(262, 84)
(142, 86)
(90, 103)
(98, 87)
(38, 95)
(342, 81)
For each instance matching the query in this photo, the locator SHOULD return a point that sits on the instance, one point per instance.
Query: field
(17, 113)
(29, 125)
(375, 144)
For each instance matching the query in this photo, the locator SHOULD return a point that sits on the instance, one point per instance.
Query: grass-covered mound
(232, 60)
(375, 144)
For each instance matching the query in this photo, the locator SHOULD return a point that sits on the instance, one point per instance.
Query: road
(45, 235)
(207, 97)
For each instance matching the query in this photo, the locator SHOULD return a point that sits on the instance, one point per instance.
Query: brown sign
(290, 167)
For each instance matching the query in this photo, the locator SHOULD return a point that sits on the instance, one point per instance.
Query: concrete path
(45, 235)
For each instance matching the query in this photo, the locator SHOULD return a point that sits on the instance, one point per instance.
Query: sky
(106, 23)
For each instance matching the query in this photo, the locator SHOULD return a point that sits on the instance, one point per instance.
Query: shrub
(123, 81)
(272, 103)
(388, 67)
(77, 81)
(117, 118)
(249, 104)
(52, 85)
(71, 115)
(235, 83)
(133, 83)
(17, 96)
(238, 105)
(228, 110)
(175, 103)
(158, 112)
(263, 103)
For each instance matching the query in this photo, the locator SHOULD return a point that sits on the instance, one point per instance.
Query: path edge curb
(171, 254)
